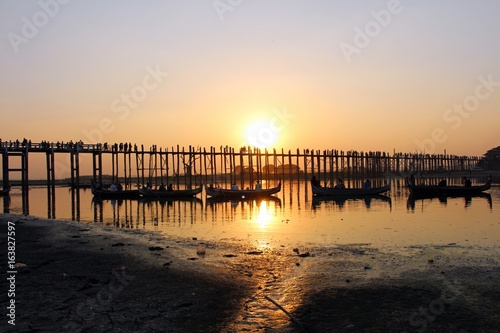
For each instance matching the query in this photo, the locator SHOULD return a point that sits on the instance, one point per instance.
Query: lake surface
(293, 217)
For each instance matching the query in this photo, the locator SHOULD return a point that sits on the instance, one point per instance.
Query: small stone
(254, 252)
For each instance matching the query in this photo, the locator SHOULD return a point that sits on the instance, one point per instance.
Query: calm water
(294, 217)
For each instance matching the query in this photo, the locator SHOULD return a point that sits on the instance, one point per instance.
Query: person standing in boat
(315, 181)
(258, 186)
(340, 184)
(467, 182)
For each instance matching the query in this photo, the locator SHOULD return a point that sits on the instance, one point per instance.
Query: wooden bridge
(134, 165)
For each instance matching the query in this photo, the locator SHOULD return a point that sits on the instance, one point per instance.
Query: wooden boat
(106, 193)
(170, 194)
(5, 191)
(348, 192)
(455, 190)
(241, 194)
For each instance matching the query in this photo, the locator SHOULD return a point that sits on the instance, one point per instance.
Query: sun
(261, 134)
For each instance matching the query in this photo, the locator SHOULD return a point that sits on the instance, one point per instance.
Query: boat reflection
(341, 201)
(132, 213)
(413, 198)
(169, 200)
(235, 202)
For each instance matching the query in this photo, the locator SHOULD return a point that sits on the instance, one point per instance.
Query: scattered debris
(286, 312)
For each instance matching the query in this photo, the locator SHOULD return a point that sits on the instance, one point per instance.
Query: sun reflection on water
(264, 216)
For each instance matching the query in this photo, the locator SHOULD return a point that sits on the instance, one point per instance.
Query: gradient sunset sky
(390, 75)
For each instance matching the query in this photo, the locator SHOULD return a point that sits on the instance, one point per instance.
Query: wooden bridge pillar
(75, 168)
(139, 161)
(5, 170)
(97, 166)
(50, 168)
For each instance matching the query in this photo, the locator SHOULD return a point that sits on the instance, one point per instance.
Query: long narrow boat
(455, 190)
(5, 191)
(106, 193)
(241, 194)
(348, 192)
(170, 194)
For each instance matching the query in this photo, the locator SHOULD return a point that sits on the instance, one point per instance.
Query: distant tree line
(491, 159)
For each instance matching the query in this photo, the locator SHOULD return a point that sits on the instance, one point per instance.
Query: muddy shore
(81, 277)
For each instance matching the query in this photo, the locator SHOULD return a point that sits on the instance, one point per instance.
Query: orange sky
(378, 75)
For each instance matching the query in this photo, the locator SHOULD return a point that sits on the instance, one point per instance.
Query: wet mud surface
(76, 277)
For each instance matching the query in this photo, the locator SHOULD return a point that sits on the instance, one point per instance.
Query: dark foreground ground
(75, 277)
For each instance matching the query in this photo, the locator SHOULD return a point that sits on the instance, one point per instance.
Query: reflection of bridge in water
(131, 214)
(80, 205)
